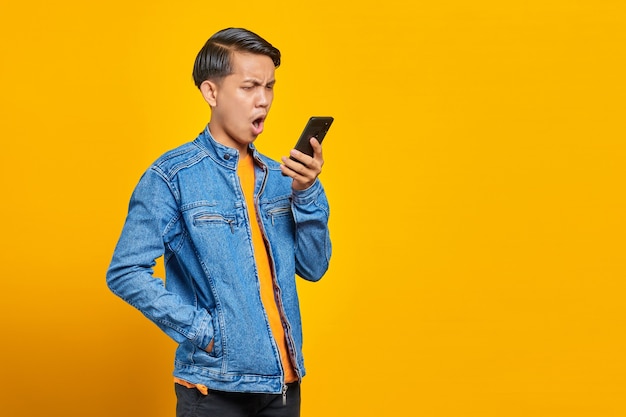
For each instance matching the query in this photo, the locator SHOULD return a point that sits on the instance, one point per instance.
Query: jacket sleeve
(152, 212)
(313, 246)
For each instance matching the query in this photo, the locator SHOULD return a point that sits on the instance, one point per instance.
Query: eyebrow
(255, 81)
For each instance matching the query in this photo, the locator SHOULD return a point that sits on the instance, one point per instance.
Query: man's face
(241, 101)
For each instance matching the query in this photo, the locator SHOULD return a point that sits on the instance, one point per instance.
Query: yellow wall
(475, 170)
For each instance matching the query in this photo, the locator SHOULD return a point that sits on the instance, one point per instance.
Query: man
(234, 228)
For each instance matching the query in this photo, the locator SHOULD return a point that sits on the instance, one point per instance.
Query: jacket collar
(223, 155)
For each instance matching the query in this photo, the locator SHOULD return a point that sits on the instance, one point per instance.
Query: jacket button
(227, 156)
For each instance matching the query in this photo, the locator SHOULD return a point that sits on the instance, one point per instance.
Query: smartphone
(316, 127)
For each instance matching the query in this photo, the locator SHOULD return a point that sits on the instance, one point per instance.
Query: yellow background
(475, 171)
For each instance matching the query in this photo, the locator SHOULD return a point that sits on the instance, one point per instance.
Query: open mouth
(257, 124)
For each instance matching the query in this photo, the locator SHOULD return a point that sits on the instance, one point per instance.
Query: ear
(209, 92)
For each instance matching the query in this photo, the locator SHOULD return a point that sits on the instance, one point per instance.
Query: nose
(265, 97)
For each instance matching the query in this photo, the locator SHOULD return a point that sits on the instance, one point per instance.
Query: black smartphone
(316, 127)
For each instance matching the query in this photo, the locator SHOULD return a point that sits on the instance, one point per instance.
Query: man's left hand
(307, 169)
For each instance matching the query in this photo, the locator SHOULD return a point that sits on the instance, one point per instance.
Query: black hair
(214, 62)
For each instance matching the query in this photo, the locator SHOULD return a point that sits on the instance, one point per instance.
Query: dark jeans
(192, 403)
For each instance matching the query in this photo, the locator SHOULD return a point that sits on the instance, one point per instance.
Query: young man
(234, 228)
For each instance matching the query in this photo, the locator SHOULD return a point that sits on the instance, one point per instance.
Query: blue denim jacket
(189, 207)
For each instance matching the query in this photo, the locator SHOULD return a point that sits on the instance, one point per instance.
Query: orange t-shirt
(245, 171)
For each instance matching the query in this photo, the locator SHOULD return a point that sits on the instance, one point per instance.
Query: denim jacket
(189, 208)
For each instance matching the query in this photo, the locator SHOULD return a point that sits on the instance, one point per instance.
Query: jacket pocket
(277, 210)
(217, 350)
(209, 219)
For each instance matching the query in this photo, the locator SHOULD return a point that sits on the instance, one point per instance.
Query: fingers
(303, 176)
(314, 162)
(209, 348)
(305, 169)
(317, 150)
